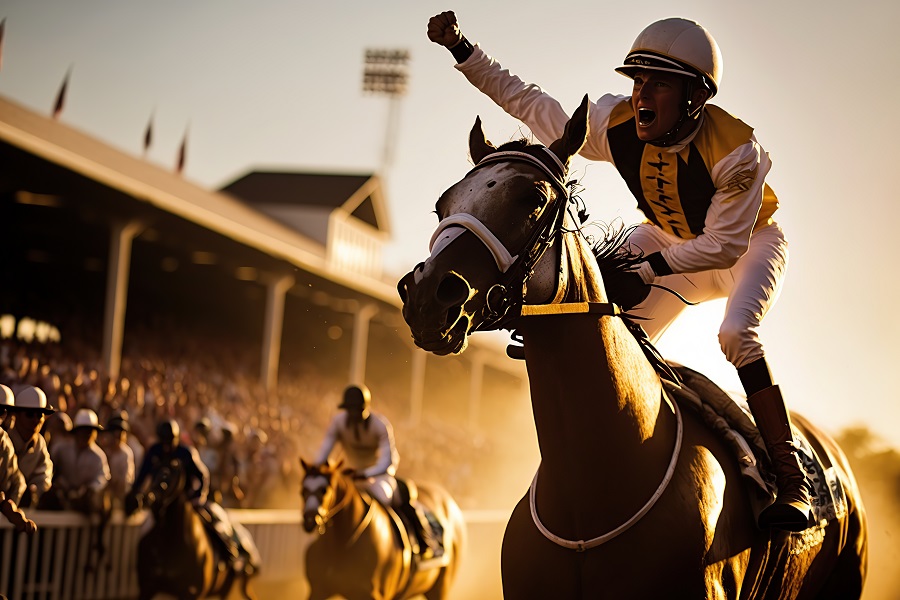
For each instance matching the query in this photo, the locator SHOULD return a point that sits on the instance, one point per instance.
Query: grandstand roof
(358, 194)
(62, 145)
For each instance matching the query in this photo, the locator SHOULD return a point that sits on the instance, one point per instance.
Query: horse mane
(518, 144)
(617, 259)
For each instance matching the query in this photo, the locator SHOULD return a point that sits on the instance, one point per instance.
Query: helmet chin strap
(687, 113)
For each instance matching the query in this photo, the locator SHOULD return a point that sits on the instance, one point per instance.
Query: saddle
(405, 532)
(731, 419)
(238, 549)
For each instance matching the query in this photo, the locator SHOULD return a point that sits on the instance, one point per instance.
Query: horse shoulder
(716, 498)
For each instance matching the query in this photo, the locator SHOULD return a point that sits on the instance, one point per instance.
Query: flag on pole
(2, 27)
(61, 96)
(182, 153)
(148, 134)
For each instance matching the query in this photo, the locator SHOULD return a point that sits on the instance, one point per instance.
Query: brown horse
(633, 498)
(178, 556)
(363, 551)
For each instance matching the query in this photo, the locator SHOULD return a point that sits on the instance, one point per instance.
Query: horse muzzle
(434, 309)
(313, 520)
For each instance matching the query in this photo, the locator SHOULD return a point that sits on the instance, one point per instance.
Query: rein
(335, 509)
(582, 545)
(345, 501)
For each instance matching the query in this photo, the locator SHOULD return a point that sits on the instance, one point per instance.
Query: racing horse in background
(363, 551)
(633, 497)
(178, 556)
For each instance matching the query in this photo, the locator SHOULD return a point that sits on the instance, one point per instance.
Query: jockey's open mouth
(646, 117)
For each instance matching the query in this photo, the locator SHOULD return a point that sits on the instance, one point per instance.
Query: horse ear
(304, 464)
(479, 147)
(575, 134)
(337, 467)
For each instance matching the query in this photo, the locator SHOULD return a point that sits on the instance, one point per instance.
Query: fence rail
(56, 563)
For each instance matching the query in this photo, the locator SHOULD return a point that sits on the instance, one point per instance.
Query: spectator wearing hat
(227, 477)
(82, 476)
(12, 482)
(120, 456)
(57, 432)
(209, 453)
(29, 409)
(7, 401)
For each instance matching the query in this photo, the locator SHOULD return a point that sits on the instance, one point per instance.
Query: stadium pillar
(272, 330)
(417, 385)
(360, 345)
(476, 381)
(117, 275)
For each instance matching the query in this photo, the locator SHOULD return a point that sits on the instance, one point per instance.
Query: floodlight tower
(386, 73)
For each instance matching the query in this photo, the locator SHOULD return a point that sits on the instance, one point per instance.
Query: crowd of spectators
(250, 440)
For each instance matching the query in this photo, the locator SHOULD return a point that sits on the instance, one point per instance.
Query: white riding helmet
(677, 46)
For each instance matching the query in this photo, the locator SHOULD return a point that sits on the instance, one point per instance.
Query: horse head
(499, 241)
(167, 486)
(319, 493)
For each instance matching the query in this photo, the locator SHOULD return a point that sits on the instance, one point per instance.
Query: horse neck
(596, 399)
(174, 515)
(346, 521)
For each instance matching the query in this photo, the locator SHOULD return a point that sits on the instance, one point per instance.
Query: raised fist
(443, 29)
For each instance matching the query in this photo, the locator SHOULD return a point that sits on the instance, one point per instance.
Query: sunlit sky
(276, 84)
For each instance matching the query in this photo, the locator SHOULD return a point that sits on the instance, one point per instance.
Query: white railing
(56, 563)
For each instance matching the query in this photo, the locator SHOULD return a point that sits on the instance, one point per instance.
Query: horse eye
(539, 198)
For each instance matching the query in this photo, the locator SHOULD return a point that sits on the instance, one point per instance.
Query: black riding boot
(427, 546)
(791, 510)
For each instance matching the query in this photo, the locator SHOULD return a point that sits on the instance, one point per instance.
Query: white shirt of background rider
(370, 450)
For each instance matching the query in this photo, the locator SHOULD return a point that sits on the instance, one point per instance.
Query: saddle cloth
(730, 418)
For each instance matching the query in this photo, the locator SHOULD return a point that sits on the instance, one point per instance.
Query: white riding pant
(381, 487)
(752, 286)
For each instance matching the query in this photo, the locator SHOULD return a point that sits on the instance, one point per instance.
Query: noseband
(504, 300)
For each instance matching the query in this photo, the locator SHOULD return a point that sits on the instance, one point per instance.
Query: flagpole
(2, 28)
(148, 133)
(182, 152)
(61, 95)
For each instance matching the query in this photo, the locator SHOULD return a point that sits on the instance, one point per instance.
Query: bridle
(168, 484)
(326, 516)
(505, 300)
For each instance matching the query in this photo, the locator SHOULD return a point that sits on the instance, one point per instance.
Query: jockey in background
(367, 439)
(699, 177)
(168, 449)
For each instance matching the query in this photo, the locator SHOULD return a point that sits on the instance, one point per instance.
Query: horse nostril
(453, 290)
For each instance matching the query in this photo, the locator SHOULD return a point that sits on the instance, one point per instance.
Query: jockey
(168, 449)
(698, 175)
(367, 440)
